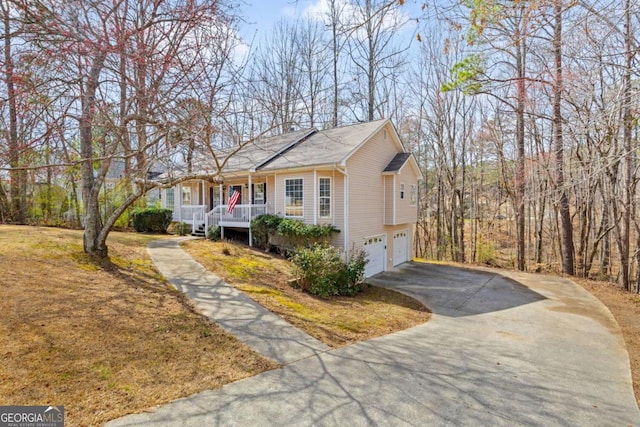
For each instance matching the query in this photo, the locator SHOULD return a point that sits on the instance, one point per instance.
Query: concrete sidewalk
(252, 324)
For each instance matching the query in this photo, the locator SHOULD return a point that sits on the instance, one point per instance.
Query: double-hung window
(293, 195)
(170, 198)
(186, 195)
(324, 194)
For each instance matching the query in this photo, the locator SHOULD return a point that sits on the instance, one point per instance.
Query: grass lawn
(337, 321)
(102, 339)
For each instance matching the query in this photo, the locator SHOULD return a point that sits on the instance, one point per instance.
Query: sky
(261, 15)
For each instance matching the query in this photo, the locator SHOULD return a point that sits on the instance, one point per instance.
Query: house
(359, 178)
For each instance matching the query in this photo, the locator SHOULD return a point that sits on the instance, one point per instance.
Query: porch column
(204, 196)
(177, 202)
(250, 206)
(221, 189)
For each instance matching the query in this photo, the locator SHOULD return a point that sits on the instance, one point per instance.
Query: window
(401, 191)
(413, 194)
(258, 194)
(324, 192)
(293, 199)
(170, 199)
(186, 195)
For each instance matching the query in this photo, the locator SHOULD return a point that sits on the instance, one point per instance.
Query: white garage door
(400, 247)
(375, 250)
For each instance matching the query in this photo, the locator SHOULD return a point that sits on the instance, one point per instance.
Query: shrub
(298, 231)
(486, 252)
(151, 220)
(214, 233)
(352, 276)
(289, 233)
(181, 228)
(320, 271)
(263, 227)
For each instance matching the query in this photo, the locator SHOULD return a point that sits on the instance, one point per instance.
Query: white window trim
(169, 202)
(326, 197)
(413, 195)
(184, 191)
(264, 193)
(285, 197)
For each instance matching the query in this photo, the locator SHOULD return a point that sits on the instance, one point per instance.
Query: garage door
(400, 247)
(375, 250)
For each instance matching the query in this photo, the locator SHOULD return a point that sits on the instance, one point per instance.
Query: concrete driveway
(502, 349)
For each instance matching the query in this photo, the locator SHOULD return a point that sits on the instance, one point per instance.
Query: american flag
(235, 196)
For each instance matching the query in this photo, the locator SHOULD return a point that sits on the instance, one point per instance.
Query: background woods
(522, 114)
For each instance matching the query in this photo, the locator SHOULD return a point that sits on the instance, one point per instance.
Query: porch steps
(199, 231)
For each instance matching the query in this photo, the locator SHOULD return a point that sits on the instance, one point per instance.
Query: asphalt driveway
(502, 349)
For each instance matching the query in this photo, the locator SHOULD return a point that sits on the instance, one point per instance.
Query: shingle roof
(303, 148)
(324, 147)
(397, 162)
(259, 151)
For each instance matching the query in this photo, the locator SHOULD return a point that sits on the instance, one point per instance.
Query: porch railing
(187, 212)
(240, 216)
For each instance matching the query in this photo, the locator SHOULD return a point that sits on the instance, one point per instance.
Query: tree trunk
(372, 59)
(566, 228)
(90, 187)
(520, 137)
(625, 238)
(18, 176)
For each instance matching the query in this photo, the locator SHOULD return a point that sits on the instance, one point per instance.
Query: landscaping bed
(336, 321)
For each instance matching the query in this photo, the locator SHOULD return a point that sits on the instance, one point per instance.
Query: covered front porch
(203, 204)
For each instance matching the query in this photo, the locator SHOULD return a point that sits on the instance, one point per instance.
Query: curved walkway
(260, 329)
(502, 349)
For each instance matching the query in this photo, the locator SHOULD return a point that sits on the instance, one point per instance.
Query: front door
(233, 189)
(212, 200)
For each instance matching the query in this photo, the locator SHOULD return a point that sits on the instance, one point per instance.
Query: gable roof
(397, 162)
(323, 147)
(299, 149)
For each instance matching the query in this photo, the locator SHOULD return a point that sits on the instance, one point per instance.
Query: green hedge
(154, 220)
(262, 227)
(295, 232)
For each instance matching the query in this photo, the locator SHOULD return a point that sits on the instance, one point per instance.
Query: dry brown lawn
(336, 321)
(102, 339)
(625, 307)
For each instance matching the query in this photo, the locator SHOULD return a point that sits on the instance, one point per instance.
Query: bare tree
(89, 45)
(373, 53)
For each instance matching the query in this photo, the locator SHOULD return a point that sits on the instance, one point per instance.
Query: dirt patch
(104, 339)
(625, 307)
(336, 321)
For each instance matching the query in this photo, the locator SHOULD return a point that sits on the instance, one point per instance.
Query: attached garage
(375, 249)
(400, 247)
